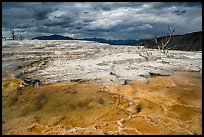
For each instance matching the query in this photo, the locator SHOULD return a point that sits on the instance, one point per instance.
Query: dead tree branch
(164, 41)
(170, 32)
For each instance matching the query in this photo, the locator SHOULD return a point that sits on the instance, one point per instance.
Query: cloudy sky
(109, 20)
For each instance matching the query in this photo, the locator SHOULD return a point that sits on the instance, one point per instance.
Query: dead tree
(164, 41)
(21, 37)
(12, 33)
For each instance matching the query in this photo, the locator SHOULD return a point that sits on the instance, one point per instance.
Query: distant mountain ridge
(53, 37)
(187, 42)
(112, 42)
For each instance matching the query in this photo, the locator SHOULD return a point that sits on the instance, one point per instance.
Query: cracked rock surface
(168, 105)
(54, 61)
(93, 88)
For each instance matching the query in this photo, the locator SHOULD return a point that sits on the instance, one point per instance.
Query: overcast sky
(109, 20)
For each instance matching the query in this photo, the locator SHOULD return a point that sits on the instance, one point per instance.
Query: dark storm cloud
(85, 12)
(192, 4)
(178, 12)
(106, 8)
(58, 21)
(111, 20)
(177, 4)
(42, 14)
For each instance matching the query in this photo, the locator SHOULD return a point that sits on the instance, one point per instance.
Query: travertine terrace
(54, 61)
(95, 88)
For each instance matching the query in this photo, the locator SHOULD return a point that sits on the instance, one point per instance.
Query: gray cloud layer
(110, 20)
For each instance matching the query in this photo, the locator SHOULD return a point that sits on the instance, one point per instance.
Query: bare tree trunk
(165, 45)
(155, 39)
(12, 33)
(21, 37)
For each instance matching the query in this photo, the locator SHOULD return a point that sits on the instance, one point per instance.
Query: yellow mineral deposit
(163, 105)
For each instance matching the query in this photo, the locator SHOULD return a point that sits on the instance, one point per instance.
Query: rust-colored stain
(165, 105)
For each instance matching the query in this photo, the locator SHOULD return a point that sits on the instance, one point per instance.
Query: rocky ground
(94, 88)
(54, 61)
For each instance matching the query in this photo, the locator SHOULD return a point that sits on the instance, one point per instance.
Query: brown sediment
(164, 105)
